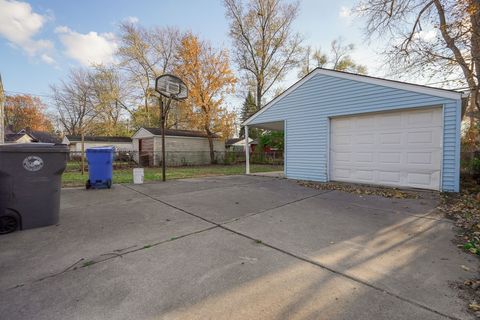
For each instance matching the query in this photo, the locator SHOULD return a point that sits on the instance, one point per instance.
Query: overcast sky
(41, 40)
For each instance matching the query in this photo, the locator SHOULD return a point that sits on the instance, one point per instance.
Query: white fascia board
(448, 94)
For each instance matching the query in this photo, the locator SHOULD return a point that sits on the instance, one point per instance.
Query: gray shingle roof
(180, 133)
(99, 138)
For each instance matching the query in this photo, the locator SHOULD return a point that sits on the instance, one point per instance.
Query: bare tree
(439, 36)
(77, 111)
(265, 45)
(145, 54)
(73, 99)
(110, 93)
(338, 59)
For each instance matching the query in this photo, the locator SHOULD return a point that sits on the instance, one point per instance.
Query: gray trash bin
(30, 184)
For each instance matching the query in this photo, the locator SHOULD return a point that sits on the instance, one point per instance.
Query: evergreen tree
(249, 107)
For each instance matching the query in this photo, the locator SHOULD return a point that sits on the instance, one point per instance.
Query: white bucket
(138, 175)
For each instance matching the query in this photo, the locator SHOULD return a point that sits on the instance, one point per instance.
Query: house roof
(41, 136)
(439, 92)
(72, 138)
(230, 142)
(180, 133)
(12, 137)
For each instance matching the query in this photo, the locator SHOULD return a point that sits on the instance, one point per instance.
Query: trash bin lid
(101, 149)
(34, 147)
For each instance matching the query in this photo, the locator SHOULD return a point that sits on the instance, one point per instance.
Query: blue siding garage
(308, 110)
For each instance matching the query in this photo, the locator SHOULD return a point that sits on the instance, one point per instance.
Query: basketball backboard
(171, 86)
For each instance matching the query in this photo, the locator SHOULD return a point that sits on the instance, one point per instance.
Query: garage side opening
(265, 145)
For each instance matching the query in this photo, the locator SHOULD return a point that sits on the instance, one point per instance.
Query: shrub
(475, 165)
(230, 158)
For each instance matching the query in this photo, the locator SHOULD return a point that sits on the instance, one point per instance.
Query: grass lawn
(76, 179)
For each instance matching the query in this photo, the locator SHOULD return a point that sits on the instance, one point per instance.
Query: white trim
(247, 152)
(328, 147)
(285, 148)
(360, 78)
(440, 187)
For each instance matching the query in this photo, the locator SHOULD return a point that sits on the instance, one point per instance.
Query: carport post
(247, 152)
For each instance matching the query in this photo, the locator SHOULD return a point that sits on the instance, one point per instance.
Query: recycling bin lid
(34, 147)
(101, 149)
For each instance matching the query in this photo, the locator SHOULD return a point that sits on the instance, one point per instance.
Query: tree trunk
(210, 145)
(259, 96)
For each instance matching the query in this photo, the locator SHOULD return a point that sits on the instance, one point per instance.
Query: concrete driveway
(239, 247)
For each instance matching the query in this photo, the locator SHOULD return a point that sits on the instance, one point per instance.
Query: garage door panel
(364, 157)
(342, 156)
(342, 139)
(423, 118)
(395, 148)
(394, 138)
(389, 157)
(423, 180)
(363, 175)
(364, 139)
(392, 121)
(389, 177)
(342, 173)
(364, 122)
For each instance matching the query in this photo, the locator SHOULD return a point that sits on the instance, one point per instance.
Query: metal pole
(247, 152)
(162, 128)
(2, 115)
(83, 152)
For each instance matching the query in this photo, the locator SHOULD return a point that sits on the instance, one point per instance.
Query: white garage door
(393, 148)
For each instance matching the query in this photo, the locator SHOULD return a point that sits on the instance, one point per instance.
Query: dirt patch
(362, 189)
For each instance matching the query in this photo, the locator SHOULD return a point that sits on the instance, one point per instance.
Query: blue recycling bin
(100, 167)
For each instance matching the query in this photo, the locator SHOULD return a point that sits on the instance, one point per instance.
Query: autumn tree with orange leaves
(26, 111)
(207, 74)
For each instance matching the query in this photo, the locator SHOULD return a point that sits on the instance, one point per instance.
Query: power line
(444, 81)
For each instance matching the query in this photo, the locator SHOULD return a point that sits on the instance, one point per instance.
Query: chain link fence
(134, 159)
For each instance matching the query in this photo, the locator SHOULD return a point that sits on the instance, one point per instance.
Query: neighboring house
(120, 143)
(238, 144)
(41, 136)
(18, 138)
(347, 127)
(183, 147)
(30, 136)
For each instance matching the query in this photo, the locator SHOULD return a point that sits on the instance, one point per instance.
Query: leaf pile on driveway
(361, 189)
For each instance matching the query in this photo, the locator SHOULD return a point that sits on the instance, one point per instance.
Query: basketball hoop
(171, 87)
